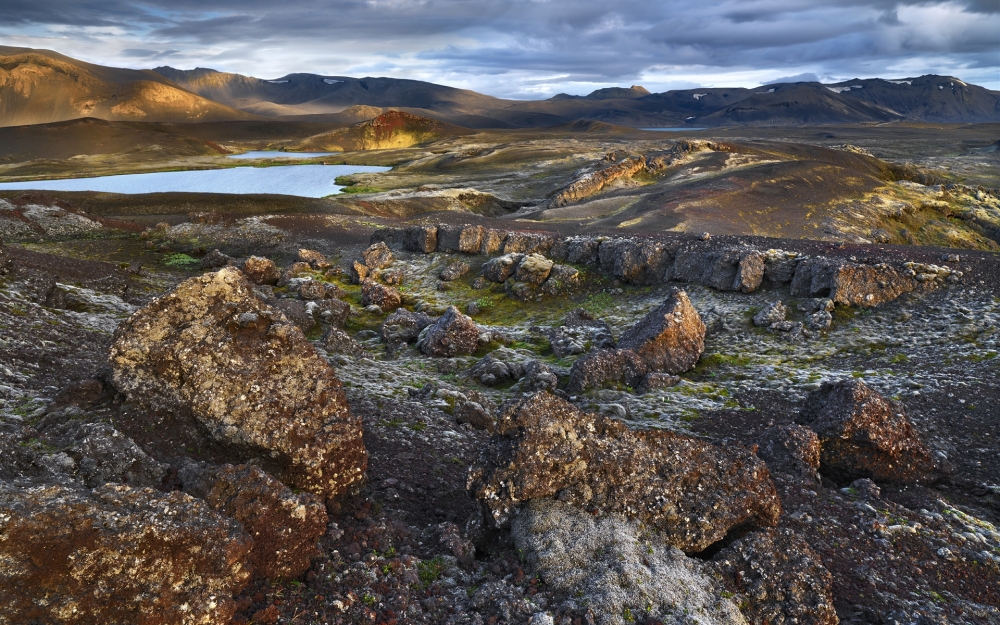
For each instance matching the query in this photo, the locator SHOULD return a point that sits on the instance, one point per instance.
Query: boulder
(494, 369)
(215, 259)
(581, 250)
(453, 334)
(211, 352)
(391, 276)
(464, 239)
(317, 290)
(97, 454)
(336, 341)
(685, 488)
(377, 256)
(670, 338)
(625, 573)
(403, 326)
(778, 578)
(296, 312)
(501, 268)
(704, 264)
(315, 259)
(561, 278)
(420, 239)
(779, 266)
(385, 297)
(538, 377)
(868, 285)
(293, 271)
(814, 277)
(528, 243)
(533, 269)
(117, 554)
(333, 311)
(601, 367)
(261, 270)
(790, 449)
(864, 435)
(454, 271)
(772, 313)
(284, 526)
(750, 272)
(819, 320)
(358, 272)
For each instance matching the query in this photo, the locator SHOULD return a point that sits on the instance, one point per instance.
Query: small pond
(300, 180)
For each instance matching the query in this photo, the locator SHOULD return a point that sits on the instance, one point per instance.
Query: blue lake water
(277, 154)
(672, 129)
(300, 180)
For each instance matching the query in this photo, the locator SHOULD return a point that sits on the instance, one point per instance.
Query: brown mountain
(41, 86)
(393, 129)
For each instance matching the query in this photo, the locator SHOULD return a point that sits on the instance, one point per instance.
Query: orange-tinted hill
(41, 86)
(393, 129)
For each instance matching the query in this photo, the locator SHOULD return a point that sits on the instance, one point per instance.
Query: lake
(277, 154)
(300, 180)
(672, 129)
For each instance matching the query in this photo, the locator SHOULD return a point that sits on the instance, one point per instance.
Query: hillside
(40, 86)
(393, 129)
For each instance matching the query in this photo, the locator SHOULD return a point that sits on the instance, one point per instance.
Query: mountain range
(41, 86)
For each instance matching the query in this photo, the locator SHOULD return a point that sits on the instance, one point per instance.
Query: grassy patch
(181, 261)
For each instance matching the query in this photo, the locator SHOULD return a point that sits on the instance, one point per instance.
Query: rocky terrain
(261, 420)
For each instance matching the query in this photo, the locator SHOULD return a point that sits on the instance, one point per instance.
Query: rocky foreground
(459, 424)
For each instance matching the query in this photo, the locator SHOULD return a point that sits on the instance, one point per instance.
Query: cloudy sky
(528, 48)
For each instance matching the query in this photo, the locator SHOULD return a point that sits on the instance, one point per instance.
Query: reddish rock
(317, 290)
(791, 449)
(385, 297)
(454, 334)
(602, 367)
(868, 285)
(670, 338)
(284, 526)
(117, 554)
(334, 312)
(593, 182)
(377, 256)
(689, 490)
(749, 272)
(212, 352)
(864, 435)
(261, 270)
(315, 259)
(778, 579)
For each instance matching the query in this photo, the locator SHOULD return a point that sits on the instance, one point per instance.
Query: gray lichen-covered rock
(625, 573)
(501, 268)
(385, 297)
(500, 367)
(117, 554)
(864, 435)
(636, 261)
(772, 313)
(454, 334)
(561, 278)
(212, 260)
(336, 341)
(492, 241)
(403, 326)
(212, 352)
(261, 270)
(454, 271)
(538, 377)
(98, 454)
(603, 367)
(690, 491)
(334, 312)
(778, 578)
(284, 526)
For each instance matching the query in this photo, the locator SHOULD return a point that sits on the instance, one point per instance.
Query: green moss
(181, 261)
(429, 571)
(899, 359)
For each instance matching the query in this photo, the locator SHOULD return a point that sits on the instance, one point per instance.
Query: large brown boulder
(528, 243)
(385, 297)
(377, 256)
(864, 435)
(261, 270)
(453, 334)
(465, 239)
(688, 489)
(778, 579)
(213, 353)
(501, 268)
(117, 554)
(669, 339)
(403, 326)
(284, 526)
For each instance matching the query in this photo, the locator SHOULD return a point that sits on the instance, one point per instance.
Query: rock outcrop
(690, 491)
(464, 239)
(211, 353)
(779, 579)
(591, 183)
(454, 334)
(625, 573)
(864, 435)
(117, 554)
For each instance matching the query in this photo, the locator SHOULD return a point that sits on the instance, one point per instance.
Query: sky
(527, 49)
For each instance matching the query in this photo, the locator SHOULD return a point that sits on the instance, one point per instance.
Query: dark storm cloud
(519, 47)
